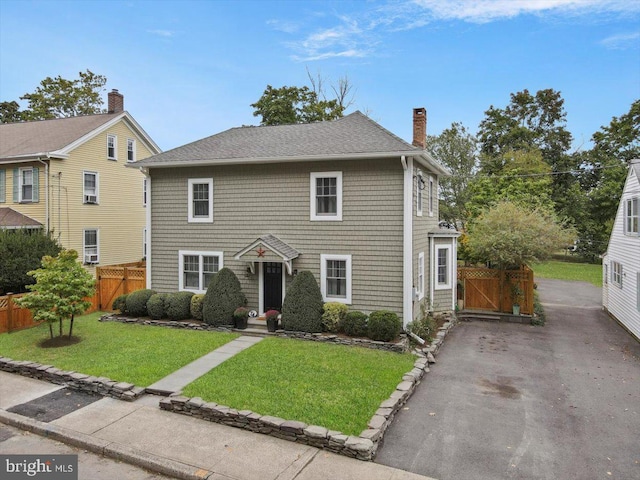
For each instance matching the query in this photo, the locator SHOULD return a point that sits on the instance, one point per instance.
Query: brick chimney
(420, 127)
(116, 101)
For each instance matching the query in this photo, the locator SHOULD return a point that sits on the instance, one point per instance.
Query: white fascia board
(427, 161)
(30, 157)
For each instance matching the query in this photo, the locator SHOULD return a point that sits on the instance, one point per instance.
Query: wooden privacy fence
(116, 280)
(491, 289)
(13, 317)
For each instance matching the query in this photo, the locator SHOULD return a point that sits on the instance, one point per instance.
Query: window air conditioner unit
(91, 259)
(90, 199)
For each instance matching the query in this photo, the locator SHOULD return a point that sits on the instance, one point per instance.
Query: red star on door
(261, 252)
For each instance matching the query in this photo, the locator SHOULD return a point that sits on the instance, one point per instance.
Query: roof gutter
(30, 157)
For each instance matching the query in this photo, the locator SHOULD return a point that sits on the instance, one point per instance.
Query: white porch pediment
(268, 248)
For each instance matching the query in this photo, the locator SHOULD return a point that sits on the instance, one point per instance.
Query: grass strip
(333, 386)
(130, 353)
(583, 272)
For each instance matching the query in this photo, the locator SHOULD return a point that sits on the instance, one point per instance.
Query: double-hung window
(112, 147)
(443, 267)
(131, 150)
(200, 200)
(335, 278)
(326, 196)
(616, 274)
(90, 187)
(632, 216)
(3, 186)
(90, 246)
(420, 287)
(420, 186)
(197, 269)
(431, 194)
(25, 185)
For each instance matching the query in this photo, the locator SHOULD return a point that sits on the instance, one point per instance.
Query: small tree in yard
(223, 296)
(302, 306)
(60, 290)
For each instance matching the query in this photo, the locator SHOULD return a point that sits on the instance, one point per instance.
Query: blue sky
(191, 69)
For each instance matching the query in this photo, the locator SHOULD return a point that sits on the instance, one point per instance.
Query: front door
(272, 286)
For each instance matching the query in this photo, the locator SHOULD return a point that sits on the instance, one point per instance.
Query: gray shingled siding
(255, 200)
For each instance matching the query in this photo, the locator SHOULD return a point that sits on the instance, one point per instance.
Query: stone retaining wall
(362, 447)
(74, 380)
(400, 346)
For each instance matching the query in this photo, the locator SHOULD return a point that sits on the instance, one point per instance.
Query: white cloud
(162, 33)
(622, 41)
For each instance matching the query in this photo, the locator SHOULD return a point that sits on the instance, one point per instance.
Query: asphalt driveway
(515, 401)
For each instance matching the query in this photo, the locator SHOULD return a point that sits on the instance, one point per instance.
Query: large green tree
(57, 98)
(62, 285)
(457, 150)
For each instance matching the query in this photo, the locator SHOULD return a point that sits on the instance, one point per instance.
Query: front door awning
(268, 248)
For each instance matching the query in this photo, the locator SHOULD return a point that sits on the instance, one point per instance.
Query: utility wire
(524, 175)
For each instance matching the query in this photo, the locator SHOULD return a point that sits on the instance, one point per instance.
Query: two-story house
(621, 261)
(346, 199)
(67, 176)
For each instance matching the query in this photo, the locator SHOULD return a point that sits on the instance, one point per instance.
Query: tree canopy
(57, 98)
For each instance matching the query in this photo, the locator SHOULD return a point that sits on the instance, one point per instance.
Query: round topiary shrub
(136, 302)
(120, 304)
(384, 326)
(155, 306)
(355, 324)
(178, 305)
(196, 306)
(333, 316)
(223, 296)
(302, 306)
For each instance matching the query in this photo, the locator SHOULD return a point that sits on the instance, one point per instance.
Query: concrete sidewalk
(181, 446)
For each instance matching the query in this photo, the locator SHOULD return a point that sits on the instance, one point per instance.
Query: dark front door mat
(55, 405)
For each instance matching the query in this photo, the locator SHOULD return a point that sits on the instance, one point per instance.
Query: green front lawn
(136, 354)
(584, 272)
(333, 386)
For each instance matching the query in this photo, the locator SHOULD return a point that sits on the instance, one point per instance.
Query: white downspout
(407, 241)
(46, 195)
(432, 271)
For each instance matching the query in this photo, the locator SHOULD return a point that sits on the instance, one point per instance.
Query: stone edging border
(362, 447)
(399, 347)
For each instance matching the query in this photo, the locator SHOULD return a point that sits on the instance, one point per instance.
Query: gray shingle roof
(9, 218)
(44, 136)
(354, 134)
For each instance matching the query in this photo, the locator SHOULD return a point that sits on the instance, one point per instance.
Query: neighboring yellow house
(69, 176)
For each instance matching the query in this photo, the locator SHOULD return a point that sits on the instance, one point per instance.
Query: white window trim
(615, 275)
(133, 142)
(627, 219)
(84, 245)
(115, 146)
(312, 198)
(208, 218)
(84, 193)
(419, 193)
(323, 278)
(421, 283)
(200, 254)
(20, 185)
(431, 200)
(438, 285)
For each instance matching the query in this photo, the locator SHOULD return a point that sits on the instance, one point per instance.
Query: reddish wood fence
(111, 282)
(491, 289)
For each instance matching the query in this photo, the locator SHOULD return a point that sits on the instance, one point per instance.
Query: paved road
(509, 401)
(90, 466)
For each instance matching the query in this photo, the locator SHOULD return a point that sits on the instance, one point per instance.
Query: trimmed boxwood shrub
(223, 296)
(178, 305)
(155, 306)
(384, 325)
(136, 302)
(333, 316)
(120, 304)
(302, 306)
(196, 306)
(355, 324)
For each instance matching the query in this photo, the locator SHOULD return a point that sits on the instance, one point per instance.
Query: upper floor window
(616, 274)
(431, 194)
(144, 192)
(631, 216)
(112, 147)
(131, 150)
(443, 267)
(3, 186)
(197, 269)
(335, 278)
(90, 246)
(326, 195)
(200, 200)
(25, 184)
(420, 186)
(90, 187)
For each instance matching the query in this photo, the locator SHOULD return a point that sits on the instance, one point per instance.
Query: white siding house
(621, 262)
